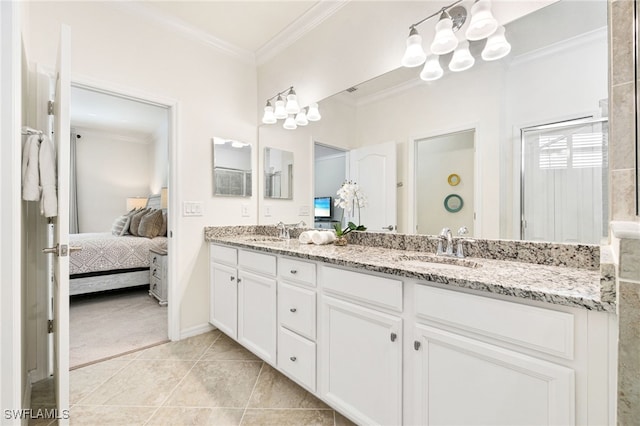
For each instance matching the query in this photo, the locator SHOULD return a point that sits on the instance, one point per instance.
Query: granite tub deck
(580, 287)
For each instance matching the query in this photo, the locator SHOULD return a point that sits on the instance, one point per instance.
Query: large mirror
(535, 165)
(278, 173)
(231, 168)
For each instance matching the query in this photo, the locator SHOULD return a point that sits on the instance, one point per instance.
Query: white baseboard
(195, 330)
(26, 398)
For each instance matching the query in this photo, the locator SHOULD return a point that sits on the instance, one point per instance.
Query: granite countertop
(570, 286)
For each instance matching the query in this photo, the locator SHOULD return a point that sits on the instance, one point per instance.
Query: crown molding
(185, 29)
(298, 28)
(391, 91)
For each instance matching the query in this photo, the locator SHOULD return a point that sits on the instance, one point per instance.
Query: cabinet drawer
(303, 272)
(257, 262)
(379, 291)
(156, 260)
(297, 309)
(223, 254)
(297, 357)
(156, 287)
(536, 328)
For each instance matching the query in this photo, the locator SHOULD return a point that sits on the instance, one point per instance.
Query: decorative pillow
(121, 225)
(135, 221)
(150, 224)
(163, 228)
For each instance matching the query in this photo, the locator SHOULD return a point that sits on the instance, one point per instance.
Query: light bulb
(445, 40)
(461, 59)
(482, 24)
(290, 123)
(292, 106)
(301, 118)
(432, 69)
(313, 114)
(280, 112)
(497, 46)
(268, 117)
(414, 55)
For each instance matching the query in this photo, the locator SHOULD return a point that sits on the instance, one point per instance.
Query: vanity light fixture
(451, 19)
(287, 108)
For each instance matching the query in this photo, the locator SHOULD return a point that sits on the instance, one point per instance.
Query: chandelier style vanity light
(287, 108)
(452, 17)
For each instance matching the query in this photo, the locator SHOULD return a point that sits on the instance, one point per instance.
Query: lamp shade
(280, 111)
(292, 106)
(497, 46)
(461, 59)
(482, 24)
(164, 198)
(314, 113)
(432, 69)
(301, 118)
(445, 40)
(136, 203)
(414, 55)
(268, 117)
(290, 123)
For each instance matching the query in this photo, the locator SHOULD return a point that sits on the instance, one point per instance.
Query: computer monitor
(322, 207)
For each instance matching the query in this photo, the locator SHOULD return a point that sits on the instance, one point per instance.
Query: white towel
(30, 174)
(325, 237)
(47, 166)
(305, 237)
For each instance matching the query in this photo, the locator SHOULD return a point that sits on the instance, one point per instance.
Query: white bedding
(106, 252)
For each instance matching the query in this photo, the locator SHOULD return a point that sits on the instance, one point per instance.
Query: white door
(462, 381)
(361, 362)
(60, 296)
(257, 315)
(373, 168)
(223, 303)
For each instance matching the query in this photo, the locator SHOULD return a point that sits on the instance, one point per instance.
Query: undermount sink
(437, 261)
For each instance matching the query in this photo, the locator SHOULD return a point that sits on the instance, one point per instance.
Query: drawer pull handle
(232, 278)
(239, 280)
(394, 336)
(293, 272)
(155, 286)
(416, 345)
(293, 358)
(293, 310)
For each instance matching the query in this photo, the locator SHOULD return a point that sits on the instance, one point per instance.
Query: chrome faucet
(445, 234)
(461, 232)
(285, 229)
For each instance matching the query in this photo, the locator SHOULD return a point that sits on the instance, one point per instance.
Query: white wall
(113, 45)
(110, 168)
(159, 157)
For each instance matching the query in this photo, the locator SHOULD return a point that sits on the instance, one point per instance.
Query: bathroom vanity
(390, 336)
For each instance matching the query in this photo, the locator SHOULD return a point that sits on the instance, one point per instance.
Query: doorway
(444, 182)
(330, 171)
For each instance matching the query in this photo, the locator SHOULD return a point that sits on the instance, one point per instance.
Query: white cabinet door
(257, 315)
(462, 381)
(361, 362)
(223, 303)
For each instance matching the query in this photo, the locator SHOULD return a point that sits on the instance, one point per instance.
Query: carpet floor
(104, 325)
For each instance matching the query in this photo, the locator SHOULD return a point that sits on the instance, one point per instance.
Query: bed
(109, 262)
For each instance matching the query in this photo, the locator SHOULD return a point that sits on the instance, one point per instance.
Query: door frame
(412, 204)
(173, 229)
(11, 368)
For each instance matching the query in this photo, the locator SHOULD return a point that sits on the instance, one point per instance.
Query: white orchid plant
(350, 197)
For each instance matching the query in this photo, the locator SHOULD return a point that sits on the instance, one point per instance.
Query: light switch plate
(192, 208)
(304, 211)
(244, 210)
(267, 211)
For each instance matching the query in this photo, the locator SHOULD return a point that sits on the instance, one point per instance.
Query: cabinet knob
(416, 345)
(232, 278)
(394, 336)
(293, 358)
(293, 309)
(239, 280)
(155, 286)
(293, 272)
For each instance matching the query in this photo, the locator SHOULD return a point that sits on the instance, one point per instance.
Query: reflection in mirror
(231, 168)
(278, 174)
(551, 76)
(444, 176)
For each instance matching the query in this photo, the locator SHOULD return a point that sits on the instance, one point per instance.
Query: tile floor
(204, 380)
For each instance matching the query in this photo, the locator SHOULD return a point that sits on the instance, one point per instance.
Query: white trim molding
(195, 330)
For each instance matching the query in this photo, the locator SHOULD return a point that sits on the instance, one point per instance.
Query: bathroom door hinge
(49, 326)
(50, 106)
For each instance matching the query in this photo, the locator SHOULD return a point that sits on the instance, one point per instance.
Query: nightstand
(158, 275)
